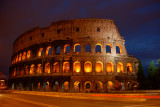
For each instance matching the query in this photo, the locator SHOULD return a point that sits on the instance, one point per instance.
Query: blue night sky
(138, 22)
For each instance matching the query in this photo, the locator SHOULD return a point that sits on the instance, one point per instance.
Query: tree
(140, 75)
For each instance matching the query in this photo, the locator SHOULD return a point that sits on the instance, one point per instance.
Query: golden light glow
(14, 72)
(28, 54)
(110, 85)
(40, 52)
(119, 67)
(110, 67)
(99, 66)
(66, 67)
(17, 58)
(32, 69)
(77, 44)
(39, 69)
(47, 68)
(56, 67)
(77, 66)
(129, 67)
(98, 44)
(20, 57)
(47, 50)
(66, 85)
(88, 67)
(120, 49)
(24, 56)
(26, 70)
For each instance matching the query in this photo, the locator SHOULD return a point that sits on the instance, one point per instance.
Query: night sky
(138, 22)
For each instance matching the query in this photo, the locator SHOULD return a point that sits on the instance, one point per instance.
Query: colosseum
(79, 55)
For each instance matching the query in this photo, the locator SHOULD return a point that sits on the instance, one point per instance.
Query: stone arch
(76, 86)
(28, 54)
(39, 69)
(47, 68)
(98, 48)
(67, 48)
(87, 86)
(77, 48)
(49, 50)
(99, 86)
(24, 56)
(88, 48)
(119, 67)
(46, 86)
(14, 72)
(66, 66)
(32, 69)
(108, 48)
(77, 67)
(40, 52)
(20, 56)
(87, 66)
(56, 86)
(118, 49)
(99, 66)
(65, 86)
(56, 67)
(129, 67)
(110, 67)
(110, 86)
(26, 70)
(17, 58)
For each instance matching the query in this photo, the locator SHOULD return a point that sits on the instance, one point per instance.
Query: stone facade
(79, 55)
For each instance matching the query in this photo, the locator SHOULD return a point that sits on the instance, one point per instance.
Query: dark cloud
(138, 22)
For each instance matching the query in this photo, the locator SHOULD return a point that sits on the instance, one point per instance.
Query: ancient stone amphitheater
(79, 55)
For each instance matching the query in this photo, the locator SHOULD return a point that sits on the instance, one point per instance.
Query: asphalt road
(25, 100)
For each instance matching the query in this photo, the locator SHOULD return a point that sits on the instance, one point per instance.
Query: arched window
(28, 54)
(32, 69)
(67, 48)
(66, 86)
(119, 67)
(129, 67)
(20, 57)
(56, 67)
(39, 69)
(17, 58)
(66, 67)
(88, 67)
(49, 50)
(14, 72)
(21, 71)
(47, 68)
(108, 48)
(77, 48)
(77, 66)
(99, 66)
(26, 70)
(40, 52)
(118, 49)
(88, 48)
(110, 67)
(98, 48)
(58, 50)
(24, 56)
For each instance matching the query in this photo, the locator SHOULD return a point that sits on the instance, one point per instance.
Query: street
(26, 100)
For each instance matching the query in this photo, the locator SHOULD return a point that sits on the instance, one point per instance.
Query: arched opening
(26, 70)
(88, 67)
(66, 67)
(46, 86)
(98, 48)
(17, 58)
(119, 67)
(56, 67)
(32, 69)
(28, 54)
(99, 66)
(87, 86)
(129, 67)
(39, 69)
(88, 48)
(77, 86)
(56, 86)
(67, 48)
(110, 86)
(47, 68)
(40, 52)
(14, 72)
(39, 86)
(77, 66)
(24, 56)
(99, 86)
(21, 71)
(20, 57)
(58, 50)
(108, 48)
(110, 67)
(49, 50)
(118, 49)
(65, 86)
(77, 48)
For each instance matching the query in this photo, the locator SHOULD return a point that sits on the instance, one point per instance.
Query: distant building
(79, 55)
